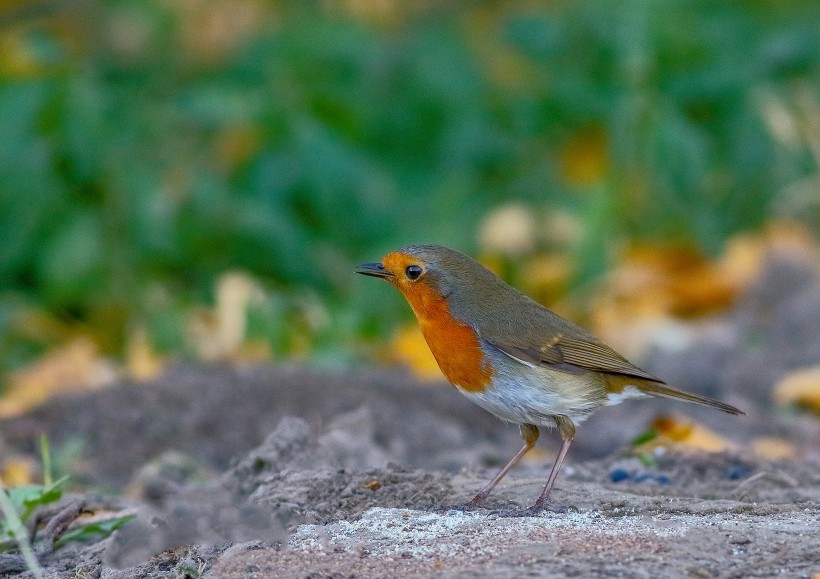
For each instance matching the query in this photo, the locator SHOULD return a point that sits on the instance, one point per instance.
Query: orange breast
(454, 345)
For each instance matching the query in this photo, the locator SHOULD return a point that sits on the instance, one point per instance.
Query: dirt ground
(282, 471)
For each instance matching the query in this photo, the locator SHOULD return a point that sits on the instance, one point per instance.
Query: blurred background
(196, 179)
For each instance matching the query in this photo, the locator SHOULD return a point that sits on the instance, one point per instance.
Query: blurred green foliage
(147, 146)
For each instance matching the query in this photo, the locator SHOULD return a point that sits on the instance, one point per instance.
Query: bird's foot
(478, 499)
(480, 504)
(477, 502)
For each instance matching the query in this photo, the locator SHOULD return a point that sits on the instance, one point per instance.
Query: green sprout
(19, 504)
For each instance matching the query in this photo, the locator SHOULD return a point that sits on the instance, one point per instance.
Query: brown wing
(574, 355)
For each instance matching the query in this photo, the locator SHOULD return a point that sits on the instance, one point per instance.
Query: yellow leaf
(211, 29)
(545, 277)
(745, 253)
(801, 387)
(43, 327)
(141, 360)
(76, 366)
(650, 287)
(409, 347)
(688, 283)
(653, 285)
(17, 472)
(219, 334)
(17, 56)
(681, 432)
(585, 160)
(253, 351)
(774, 448)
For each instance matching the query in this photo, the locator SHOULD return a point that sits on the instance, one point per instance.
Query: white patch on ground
(402, 533)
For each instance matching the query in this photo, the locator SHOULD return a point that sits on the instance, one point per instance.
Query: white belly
(531, 395)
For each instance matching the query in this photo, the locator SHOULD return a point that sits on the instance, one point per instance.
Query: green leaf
(12, 526)
(644, 437)
(93, 532)
(27, 498)
(647, 459)
(45, 453)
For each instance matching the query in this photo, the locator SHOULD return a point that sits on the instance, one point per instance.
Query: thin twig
(782, 478)
(58, 525)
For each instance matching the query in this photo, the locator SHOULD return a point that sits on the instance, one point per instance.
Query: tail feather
(658, 389)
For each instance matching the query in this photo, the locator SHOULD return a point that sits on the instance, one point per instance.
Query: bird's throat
(454, 344)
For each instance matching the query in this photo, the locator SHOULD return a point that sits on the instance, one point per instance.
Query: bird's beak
(374, 270)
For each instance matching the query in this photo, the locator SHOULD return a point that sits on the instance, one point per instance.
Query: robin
(511, 355)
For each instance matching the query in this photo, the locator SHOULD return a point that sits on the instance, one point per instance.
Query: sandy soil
(289, 472)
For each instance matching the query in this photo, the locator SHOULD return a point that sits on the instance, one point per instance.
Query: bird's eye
(413, 272)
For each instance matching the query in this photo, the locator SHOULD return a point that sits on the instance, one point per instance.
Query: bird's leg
(567, 430)
(529, 432)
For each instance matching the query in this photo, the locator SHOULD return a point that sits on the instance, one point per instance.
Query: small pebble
(619, 475)
(738, 471)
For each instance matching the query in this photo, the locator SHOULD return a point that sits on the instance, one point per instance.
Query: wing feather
(574, 356)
